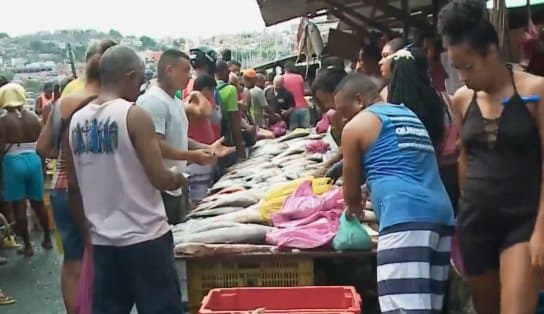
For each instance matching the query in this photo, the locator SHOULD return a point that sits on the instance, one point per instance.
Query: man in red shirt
(294, 83)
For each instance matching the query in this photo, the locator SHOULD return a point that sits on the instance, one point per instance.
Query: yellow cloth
(73, 86)
(12, 95)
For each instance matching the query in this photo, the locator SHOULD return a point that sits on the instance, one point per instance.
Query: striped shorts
(413, 267)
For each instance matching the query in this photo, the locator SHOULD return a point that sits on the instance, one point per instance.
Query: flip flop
(10, 243)
(6, 300)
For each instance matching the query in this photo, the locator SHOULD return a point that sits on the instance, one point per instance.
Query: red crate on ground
(314, 300)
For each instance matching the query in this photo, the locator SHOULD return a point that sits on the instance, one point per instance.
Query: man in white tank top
(120, 173)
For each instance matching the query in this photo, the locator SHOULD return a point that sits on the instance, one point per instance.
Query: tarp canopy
(382, 15)
(373, 14)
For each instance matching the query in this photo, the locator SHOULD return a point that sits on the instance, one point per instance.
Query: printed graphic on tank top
(501, 191)
(121, 205)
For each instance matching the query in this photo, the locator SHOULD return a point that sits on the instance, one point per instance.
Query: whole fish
(239, 233)
(213, 212)
(237, 199)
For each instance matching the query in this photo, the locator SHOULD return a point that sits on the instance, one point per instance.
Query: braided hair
(410, 85)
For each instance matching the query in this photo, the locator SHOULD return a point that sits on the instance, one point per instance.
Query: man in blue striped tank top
(414, 212)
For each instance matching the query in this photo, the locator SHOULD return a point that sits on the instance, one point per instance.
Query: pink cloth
(306, 220)
(294, 83)
(323, 124)
(279, 128)
(85, 287)
(304, 203)
(312, 232)
(317, 146)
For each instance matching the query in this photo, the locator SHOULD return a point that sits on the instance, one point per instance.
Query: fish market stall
(268, 222)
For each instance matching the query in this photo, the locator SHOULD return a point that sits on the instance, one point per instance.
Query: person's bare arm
(195, 155)
(358, 136)
(235, 130)
(38, 106)
(459, 104)
(536, 243)
(45, 145)
(142, 133)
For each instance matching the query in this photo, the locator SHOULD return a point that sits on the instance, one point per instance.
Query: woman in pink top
(294, 83)
(201, 130)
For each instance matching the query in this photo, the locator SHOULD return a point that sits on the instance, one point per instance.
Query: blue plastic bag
(351, 236)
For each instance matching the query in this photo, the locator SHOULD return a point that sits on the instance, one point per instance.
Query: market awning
(382, 15)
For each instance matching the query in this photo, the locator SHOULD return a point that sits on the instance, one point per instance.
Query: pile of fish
(230, 214)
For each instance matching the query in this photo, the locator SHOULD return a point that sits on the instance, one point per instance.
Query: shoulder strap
(66, 122)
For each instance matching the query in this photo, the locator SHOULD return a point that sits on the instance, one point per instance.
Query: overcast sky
(157, 18)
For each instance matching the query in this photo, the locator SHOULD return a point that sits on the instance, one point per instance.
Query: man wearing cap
(22, 166)
(254, 98)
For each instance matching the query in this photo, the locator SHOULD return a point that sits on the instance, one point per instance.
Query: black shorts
(491, 219)
(143, 274)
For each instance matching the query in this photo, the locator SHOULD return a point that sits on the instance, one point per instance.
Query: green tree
(7, 74)
(36, 45)
(115, 34)
(32, 86)
(148, 42)
(4, 36)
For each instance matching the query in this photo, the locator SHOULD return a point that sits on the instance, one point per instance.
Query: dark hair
(356, 82)
(370, 51)
(94, 53)
(221, 67)
(289, 66)
(234, 62)
(204, 81)
(226, 55)
(116, 62)
(398, 43)
(3, 80)
(169, 57)
(410, 85)
(463, 21)
(328, 80)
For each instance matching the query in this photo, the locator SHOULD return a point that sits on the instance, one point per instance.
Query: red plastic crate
(330, 300)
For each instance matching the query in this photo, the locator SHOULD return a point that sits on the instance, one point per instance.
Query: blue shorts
(72, 242)
(22, 177)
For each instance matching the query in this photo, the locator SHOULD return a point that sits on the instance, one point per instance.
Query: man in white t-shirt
(171, 126)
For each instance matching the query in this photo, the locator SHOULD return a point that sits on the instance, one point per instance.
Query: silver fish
(213, 212)
(239, 233)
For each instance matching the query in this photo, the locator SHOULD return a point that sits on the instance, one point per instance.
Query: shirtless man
(22, 176)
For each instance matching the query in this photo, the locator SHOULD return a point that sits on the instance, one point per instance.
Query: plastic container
(203, 276)
(330, 300)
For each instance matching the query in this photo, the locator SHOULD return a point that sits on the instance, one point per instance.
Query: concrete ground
(33, 282)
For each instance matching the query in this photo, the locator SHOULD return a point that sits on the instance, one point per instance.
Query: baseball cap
(12, 95)
(250, 73)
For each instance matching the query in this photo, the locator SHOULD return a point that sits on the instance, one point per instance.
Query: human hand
(355, 212)
(536, 247)
(221, 150)
(204, 157)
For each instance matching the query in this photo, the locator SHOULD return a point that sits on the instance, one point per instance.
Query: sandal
(6, 300)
